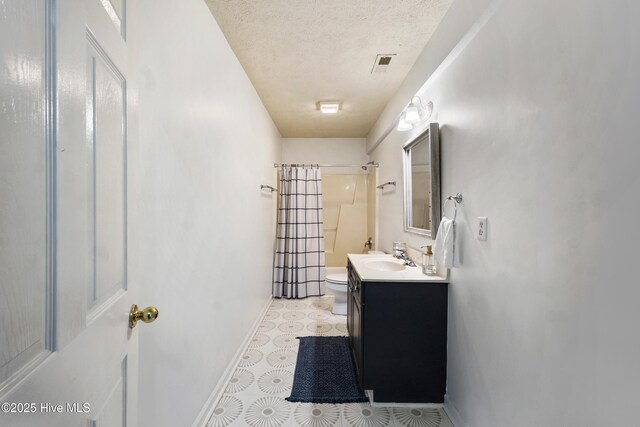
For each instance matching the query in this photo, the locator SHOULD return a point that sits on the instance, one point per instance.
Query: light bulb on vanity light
(412, 114)
(414, 111)
(403, 125)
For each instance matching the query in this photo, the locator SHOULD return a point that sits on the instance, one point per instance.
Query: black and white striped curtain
(298, 267)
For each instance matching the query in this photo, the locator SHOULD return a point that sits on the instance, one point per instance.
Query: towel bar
(267, 187)
(381, 186)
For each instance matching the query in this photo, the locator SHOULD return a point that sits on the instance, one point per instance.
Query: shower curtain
(298, 267)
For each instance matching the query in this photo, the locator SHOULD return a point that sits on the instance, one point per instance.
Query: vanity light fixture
(329, 107)
(414, 113)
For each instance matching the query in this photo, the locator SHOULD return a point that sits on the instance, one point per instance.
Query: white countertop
(408, 274)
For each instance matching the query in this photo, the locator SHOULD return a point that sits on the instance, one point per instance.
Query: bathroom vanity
(397, 323)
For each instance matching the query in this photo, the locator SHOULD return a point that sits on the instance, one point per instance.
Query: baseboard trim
(453, 414)
(374, 404)
(216, 394)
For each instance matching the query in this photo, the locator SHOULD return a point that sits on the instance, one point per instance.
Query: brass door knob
(147, 315)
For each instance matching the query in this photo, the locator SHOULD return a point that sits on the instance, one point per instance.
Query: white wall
(326, 151)
(201, 229)
(460, 16)
(538, 113)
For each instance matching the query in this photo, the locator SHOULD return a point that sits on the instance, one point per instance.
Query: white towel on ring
(444, 249)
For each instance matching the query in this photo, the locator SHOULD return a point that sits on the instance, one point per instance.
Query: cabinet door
(356, 343)
(350, 285)
(350, 313)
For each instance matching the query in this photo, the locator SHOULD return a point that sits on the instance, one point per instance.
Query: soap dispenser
(428, 264)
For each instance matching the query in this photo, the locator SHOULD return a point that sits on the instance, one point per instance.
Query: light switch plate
(482, 228)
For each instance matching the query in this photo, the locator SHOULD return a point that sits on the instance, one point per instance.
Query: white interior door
(67, 354)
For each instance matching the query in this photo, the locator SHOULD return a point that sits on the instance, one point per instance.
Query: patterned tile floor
(255, 394)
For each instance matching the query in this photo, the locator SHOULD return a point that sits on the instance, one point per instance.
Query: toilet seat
(337, 279)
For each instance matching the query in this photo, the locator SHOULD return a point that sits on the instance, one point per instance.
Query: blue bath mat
(325, 372)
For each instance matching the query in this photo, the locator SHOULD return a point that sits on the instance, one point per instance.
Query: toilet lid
(340, 278)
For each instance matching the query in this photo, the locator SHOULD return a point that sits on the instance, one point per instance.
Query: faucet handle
(399, 253)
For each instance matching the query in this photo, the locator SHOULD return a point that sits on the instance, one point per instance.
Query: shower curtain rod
(375, 165)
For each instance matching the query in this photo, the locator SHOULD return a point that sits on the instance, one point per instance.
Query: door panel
(23, 208)
(85, 371)
(93, 371)
(116, 9)
(77, 24)
(113, 412)
(105, 132)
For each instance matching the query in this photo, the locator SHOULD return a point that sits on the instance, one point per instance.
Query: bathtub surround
(537, 103)
(345, 199)
(299, 259)
(197, 215)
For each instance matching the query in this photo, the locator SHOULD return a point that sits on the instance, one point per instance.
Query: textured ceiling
(298, 52)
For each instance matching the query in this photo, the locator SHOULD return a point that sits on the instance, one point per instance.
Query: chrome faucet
(369, 243)
(402, 254)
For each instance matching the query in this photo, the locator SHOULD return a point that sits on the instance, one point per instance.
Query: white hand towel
(444, 250)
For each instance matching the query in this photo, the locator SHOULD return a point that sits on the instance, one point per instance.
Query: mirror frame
(431, 135)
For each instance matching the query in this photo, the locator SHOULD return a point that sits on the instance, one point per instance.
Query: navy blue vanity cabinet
(398, 337)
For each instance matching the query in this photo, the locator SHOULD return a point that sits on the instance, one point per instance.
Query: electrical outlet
(482, 228)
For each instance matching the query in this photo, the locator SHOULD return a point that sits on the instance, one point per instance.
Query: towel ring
(457, 199)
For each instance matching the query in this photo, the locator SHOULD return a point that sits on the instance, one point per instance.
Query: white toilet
(337, 282)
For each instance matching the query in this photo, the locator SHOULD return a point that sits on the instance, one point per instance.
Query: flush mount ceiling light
(329, 107)
(414, 113)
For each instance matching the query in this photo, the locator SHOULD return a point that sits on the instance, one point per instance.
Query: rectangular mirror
(422, 183)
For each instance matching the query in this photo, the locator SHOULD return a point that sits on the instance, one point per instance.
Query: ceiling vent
(382, 63)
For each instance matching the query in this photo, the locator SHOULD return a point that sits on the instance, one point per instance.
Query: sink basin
(385, 265)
